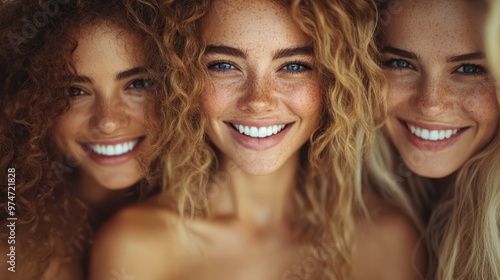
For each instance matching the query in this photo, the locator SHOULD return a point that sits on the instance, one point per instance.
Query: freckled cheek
(69, 126)
(398, 93)
(304, 99)
(217, 98)
(482, 106)
(137, 111)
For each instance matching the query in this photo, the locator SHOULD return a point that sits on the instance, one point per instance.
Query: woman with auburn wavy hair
(77, 114)
(275, 102)
(444, 125)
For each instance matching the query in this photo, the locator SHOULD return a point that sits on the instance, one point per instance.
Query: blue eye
(221, 66)
(470, 69)
(140, 84)
(75, 92)
(397, 63)
(296, 67)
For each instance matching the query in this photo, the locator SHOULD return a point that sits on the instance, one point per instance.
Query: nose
(110, 115)
(434, 96)
(259, 95)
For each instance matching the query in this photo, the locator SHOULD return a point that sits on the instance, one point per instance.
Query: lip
(427, 145)
(258, 144)
(112, 160)
(430, 126)
(258, 123)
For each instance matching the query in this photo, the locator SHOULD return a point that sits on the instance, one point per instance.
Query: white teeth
(113, 150)
(254, 132)
(260, 132)
(425, 134)
(442, 134)
(432, 135)
(119, 149)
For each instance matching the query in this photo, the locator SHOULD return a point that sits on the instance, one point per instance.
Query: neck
(101, 202)
(91, 192)
(257, 201)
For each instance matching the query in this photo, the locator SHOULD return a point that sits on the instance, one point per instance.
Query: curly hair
(460, 223)
(353, 107)
(37, 42)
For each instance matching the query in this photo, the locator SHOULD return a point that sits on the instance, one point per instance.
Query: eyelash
(389, 64)
(480, 69)
(212, 66)
(80, 92)
(71, 90)
(303, 67)
(149, 83)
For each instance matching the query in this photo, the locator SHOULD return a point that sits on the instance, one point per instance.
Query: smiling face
(441, 100)
(263, 99)
(104, 129)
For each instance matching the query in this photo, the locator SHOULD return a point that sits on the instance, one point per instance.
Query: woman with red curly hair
(77, 92)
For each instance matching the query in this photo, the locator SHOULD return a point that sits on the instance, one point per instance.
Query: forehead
(104, 42)
(242, 22)
(445, 26)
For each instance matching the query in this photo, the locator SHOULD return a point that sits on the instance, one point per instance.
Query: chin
(261, 167)
(431, 171)
(118, 182)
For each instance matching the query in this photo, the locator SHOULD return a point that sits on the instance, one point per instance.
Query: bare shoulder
(139, 241)
(388, 245)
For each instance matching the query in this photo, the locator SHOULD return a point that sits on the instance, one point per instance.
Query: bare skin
(149, 242)
(388, 245)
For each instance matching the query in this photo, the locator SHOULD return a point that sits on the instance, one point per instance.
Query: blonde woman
(444, 125)
(274, 110)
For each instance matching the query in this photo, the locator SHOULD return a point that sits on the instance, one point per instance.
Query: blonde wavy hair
(462, 223)
(353, 107)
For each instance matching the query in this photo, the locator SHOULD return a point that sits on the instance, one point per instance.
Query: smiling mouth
(432, 135)
(117, 149)
(259, 132)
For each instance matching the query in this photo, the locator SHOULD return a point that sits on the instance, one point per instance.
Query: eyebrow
(82, 79)
(457, 58)
(464, 57)
(221, 49)
(304, 50)
(399, 52)
(120, 76)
